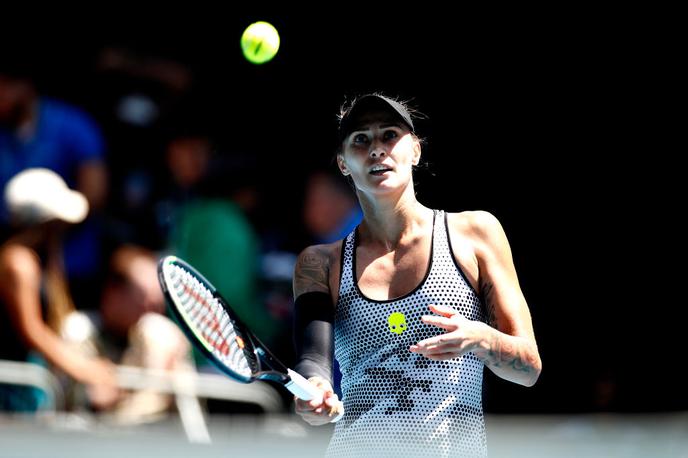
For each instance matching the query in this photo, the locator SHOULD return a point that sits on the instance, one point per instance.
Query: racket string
(207, 315)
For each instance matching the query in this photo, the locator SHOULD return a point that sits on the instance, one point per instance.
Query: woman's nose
(376, 152)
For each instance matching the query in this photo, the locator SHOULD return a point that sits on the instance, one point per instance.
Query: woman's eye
(360, 138)
(389, 135)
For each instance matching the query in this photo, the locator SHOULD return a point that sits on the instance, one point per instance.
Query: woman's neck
(26, 125)
(33, 237)
(389, 221)
(44, 237)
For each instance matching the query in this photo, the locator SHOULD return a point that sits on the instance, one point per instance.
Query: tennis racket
(213, 327)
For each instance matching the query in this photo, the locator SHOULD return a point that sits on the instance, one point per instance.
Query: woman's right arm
(20, 291)
(313, 323)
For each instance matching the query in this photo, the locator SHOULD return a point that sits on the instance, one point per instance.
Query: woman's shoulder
(314, 266)
(476, 220)
(481, 228)
(323, 255)
(322, 252)
(17, 259)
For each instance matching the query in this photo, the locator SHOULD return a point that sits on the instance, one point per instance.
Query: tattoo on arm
(487, 293)
(311, 273)
(503, 351)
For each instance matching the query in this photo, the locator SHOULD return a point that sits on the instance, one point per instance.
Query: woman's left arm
(506, 344)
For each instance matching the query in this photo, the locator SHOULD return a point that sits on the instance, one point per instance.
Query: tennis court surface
(73, 436)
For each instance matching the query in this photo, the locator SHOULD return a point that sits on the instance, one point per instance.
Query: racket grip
(302, 388)
(305, 390)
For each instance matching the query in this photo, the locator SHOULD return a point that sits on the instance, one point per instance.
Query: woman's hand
(462, 337)
(101, 383)
(322, 410)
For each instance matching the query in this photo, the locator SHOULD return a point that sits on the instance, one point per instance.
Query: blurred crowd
(158, 172)
(93, 194)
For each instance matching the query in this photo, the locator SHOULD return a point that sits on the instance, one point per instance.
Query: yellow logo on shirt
(397, 323)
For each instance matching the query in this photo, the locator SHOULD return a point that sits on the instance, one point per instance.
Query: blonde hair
(59, 299)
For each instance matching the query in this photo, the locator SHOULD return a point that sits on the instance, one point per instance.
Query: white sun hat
(37, 195)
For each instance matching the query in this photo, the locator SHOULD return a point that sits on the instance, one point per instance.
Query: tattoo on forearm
(504, 353)
(311, 273)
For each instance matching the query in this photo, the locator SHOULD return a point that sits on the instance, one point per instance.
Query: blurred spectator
(37, 131)
(216, 237)
(137, 97)
(331, 209)
(142, 87)
(203, 214)
(188, 156)
(131, 329)
(34, 296)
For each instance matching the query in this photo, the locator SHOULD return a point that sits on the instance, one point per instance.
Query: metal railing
(187, 387)
(29, 374)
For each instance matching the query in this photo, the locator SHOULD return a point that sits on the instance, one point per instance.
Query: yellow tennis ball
(260, 42)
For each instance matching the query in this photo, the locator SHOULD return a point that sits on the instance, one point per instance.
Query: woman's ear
(416, 152)
(342, 165)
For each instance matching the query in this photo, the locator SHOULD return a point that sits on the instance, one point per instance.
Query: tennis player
(415, 302)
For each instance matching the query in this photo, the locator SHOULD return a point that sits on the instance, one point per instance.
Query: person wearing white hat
(41, 131)
(39, 195)
(34, 298)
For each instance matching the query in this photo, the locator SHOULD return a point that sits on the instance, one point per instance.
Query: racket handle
(305, 390)
(302, 388)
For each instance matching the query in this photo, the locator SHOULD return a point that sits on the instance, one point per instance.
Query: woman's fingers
(439, 321)
(302, 406)
(444, 346)
(328, 409)
(323, 409)
(446, 318)
(443, 310)
(439, 347)
(337, 410)
(442, 339)
(442, 356)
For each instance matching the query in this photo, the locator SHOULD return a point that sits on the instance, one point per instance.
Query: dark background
(545, 118)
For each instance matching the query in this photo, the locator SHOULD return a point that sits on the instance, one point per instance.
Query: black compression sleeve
(313, 322)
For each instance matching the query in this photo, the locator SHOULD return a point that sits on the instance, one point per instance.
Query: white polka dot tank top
(398, 403)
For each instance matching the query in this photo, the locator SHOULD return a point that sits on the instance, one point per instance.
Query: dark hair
(352, 108)
(373, 101)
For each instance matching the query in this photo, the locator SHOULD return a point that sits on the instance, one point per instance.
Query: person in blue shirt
(37, 131)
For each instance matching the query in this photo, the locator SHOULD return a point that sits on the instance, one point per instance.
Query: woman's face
(12, 96)
(379, 154)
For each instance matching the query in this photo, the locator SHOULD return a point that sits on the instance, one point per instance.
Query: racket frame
(253, 349)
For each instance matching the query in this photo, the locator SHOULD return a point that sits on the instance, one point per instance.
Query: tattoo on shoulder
(311, 273)
(487, 296)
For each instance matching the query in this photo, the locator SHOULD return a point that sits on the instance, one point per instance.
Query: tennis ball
(260, 42)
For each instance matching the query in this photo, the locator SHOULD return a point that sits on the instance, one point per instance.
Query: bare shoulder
(18, 260)
(479, 225)
(313, 267)
(19, 268)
